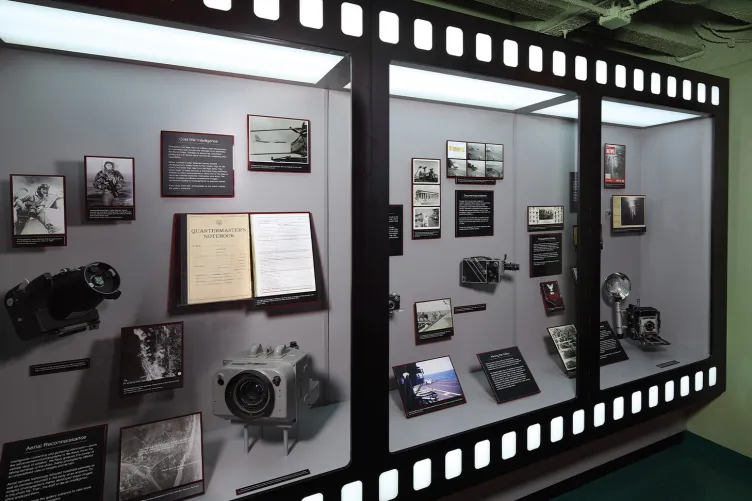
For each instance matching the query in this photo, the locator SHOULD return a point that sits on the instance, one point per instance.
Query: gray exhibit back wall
(54, 110)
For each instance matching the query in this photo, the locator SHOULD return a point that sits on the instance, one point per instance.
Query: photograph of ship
(433, 315)
(428, 386)
(426, 195)
(495, 152)
(476, 151)
(495, 170)
(426, 171)
(565, 339)
(456, 168)
(162, 456)
(151, 358)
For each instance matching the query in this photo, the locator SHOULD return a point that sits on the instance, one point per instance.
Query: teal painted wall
(727, 420)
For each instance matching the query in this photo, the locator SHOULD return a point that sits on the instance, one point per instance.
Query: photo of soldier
(38, 205)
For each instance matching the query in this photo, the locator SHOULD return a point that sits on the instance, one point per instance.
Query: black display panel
(197, 165)
(474, 213)
(545, 255)
(508, 374)
(396, 230)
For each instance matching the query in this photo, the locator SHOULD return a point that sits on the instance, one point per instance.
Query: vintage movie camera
(265, 386)
(394, 302)
(61, 304)
(485, 270)
(644, 324)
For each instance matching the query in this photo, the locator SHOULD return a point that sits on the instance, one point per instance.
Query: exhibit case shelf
(296, 164)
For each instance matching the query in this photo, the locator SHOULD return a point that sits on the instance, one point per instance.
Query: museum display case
(234, 190)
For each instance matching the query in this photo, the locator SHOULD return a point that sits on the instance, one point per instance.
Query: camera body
(644, 325)
(264, 386)
(394, 302)
(484, 270)
(61, 304)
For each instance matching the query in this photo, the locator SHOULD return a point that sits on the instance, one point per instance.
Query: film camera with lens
(644, 325)
(394, 302)
(485, 270)
(61, 304)
(265, 386)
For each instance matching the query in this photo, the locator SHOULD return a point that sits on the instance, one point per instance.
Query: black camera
(644, 325)
(394, 302)
(61, 304)
(485, 270)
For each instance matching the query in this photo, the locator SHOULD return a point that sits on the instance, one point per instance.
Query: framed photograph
(426, 195)
(279, 144)
(575, 275)
(426, 171)
(39, 211)
(628, 214)
(428, 386)
(162, 460)
(110, 188)
(426, 218)
(151, 358)
(551, 294)
(545, 218)
(456, 168)
(615, 166)
(565, 339)
(477, 163)
(433, 321)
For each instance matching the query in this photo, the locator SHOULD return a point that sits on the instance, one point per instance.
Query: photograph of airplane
(273, 140)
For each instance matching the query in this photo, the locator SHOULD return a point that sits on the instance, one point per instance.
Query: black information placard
(545, 255)
(574, 191)
(197, 165)
(469, 308)
(508, 374)
(473, 213)
(396, 232)
(66, 466)
(611, 349)
(667, 364)
(474, 180)
(274, 481)
(56, 367)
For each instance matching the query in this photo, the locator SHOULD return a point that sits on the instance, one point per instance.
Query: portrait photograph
(428, 386)
(456, 168)
(38, 210)
(151, 358)
(162, 457)
(426, 171)
(495, 169)
(109, 185)
(495, 152)
(426, 195)
(476, 151)
(426, 219)
(279, 141)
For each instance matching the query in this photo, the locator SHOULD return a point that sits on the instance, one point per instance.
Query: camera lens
(250, 395)
(650, 326)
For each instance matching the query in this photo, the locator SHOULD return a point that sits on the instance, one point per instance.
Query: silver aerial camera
(265, 386)
(643, 322)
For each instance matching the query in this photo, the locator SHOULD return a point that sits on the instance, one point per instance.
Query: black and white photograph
(615, 166)
(433, 320)
(565, 339)
(457, 149)
(476, 151)
(38, 208)
(426, 195)
(456, 168)
(495, 170)
(110, 189)
(545, 218)
(426, 171)
(476, 168)
(495, 152)
(151, 358)
(279, 144)
(162, 460)
(428, 386)
(426, 218)
(628, 213)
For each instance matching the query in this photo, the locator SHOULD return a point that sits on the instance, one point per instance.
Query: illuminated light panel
(423, 84)
(57, 29)
(620, 114)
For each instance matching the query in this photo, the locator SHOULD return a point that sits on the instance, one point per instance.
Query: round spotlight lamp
(617, 287)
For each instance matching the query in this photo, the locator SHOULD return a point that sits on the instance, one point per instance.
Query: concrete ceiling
(705, 35)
